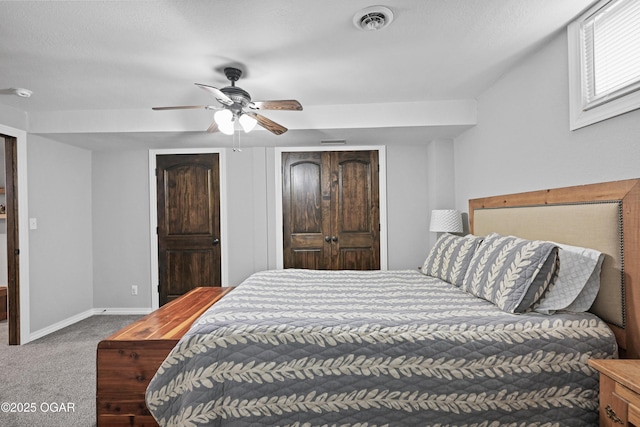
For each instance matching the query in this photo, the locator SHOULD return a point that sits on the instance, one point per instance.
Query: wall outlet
(134, 290)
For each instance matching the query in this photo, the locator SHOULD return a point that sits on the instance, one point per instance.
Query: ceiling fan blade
(183, 107)
(284, 104)
(217, 93)
(213, 127)
(269, 125)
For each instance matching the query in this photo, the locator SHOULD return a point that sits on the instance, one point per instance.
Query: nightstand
(619, 392)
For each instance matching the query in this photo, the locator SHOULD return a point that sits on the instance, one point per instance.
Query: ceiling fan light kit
(237, 106)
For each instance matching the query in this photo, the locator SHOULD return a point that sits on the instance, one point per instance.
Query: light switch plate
(33, 224)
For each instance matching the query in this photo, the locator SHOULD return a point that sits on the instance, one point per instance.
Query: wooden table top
(172, 320)
(622, 371)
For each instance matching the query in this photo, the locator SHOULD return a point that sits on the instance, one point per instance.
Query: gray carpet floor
(54, 377)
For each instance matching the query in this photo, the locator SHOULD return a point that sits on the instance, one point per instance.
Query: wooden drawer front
(628, 395)
(633, 401)
(613, 409)
(634, 416)
(126, 373)
(616, 411)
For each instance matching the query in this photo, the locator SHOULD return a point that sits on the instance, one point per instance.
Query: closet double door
(331, 210)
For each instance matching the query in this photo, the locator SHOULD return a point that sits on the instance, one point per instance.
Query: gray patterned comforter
(377, 348)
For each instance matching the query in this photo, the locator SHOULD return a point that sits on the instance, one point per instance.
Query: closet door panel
(331, 213)
(306, 204)
(354, 192)
(356, 259)
(311, 259)
(356, 221)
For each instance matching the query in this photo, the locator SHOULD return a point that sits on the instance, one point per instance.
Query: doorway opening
(9, 252)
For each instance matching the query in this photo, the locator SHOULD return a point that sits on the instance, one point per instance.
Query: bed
(385, 348)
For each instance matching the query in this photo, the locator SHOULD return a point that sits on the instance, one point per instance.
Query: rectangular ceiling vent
(333, 141)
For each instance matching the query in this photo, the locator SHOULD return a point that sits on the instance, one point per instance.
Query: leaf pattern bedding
(377, 348)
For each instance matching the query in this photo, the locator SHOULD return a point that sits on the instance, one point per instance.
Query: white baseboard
(122, 311)
(59, 325)
(85, 315)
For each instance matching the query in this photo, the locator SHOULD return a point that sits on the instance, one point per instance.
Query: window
(604, 62)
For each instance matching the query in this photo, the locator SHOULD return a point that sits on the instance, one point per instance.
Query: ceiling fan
(236, 105)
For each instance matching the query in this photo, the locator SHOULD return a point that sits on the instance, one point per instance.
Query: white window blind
(605, 61)
(611, 51)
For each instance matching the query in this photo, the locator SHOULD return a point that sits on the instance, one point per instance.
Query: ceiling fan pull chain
(234, 142)
(236, 147)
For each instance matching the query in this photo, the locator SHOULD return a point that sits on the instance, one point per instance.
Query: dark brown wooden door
(188, 223)
(13, 248)
(306, 210)
(356, 210)
(331, 215)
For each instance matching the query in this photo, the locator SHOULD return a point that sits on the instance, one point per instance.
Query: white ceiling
(84, 57)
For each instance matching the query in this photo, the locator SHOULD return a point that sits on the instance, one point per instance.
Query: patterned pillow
(512, 273)
(578, 280)
(450, 257)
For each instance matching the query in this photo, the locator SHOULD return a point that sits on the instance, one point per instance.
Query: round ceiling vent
(373, 18)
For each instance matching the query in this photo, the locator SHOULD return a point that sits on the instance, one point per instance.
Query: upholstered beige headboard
(603, 216)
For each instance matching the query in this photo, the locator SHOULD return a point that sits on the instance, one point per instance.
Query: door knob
(334, 238)
(327, 239)
(216, 241)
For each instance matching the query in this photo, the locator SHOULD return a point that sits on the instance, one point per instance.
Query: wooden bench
(128, 359)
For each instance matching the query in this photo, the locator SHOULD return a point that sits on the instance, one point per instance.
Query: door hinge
(158, 288)
(157, 230)
(16, 251)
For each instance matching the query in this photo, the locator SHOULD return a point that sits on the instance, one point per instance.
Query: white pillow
(578, 280)
(585, 300)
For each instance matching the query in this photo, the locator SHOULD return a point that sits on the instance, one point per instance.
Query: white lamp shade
(446, 220)
(247, 123)
(224, 119)
(227, 128)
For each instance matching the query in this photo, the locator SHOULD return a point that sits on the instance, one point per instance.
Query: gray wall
(13, 117)
(121, 251)
(407, 205)
(441, 178)
(522, 140)
(60, 249)
(120, 194)
(248, 217)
